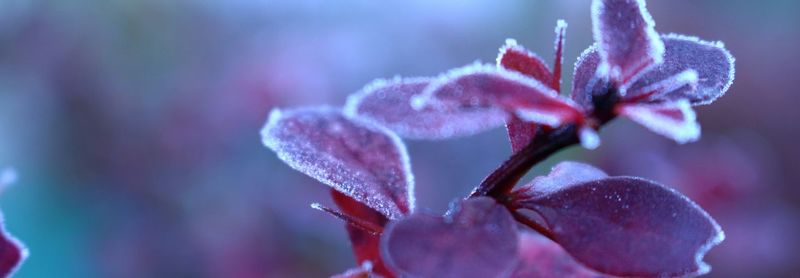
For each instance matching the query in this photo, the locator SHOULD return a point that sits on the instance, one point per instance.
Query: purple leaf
(561, 32)
(675, 120)
(483, 87)
(388, 102)
(627, 39)
(514, 57)
(543, 258)
(713, 64)
(562, 175)
(585, 82)
(357, 158)
(479, 239)
(12, 252)
(628, 226)
(520, 133)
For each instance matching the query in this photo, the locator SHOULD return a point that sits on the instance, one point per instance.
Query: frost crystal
(627, 39)
(675, 120)
(484, 87)
(388, 102)
(359, 159)
(562, 175)
(714, 65)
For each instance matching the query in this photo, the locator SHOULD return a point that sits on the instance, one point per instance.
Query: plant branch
(505, 177)
(549, 141)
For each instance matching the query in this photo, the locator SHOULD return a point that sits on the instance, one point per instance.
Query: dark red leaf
(585, 82)
(478, 239)
(520, 133)
(357, 158)
(388, 103)
(629, 227)
(561, 30)
(514, 57)
(12, 252)
(365, 244)
(675, 120)
(543, 258)
(483, 87)
(562, 175)
(628, 43)
(712, 63)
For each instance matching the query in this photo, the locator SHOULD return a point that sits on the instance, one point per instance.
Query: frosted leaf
(685, 80)
(478, 239)
(675, 120)
(585, 82)
(561, 33)
(714, 65)
(12, 252)
(628, 42)
(562, 175)
(388, 102)
(520, 133)
(365, 244)
(516, 58)
(483, 87)
(357, 158)
(629, 226)
(543, 258)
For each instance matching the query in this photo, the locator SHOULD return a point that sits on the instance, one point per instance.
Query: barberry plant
(12, 251)
(580, 221)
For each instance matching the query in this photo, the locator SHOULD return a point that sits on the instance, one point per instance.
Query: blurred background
(134, 126)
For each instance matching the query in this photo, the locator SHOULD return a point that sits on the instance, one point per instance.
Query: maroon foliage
(713, 64)
(487, 88)
(360, 160)
(366, 244)
(12, 252)
(388, 102)
(543, 258)
(604, 225)
(623, 225)
(628, 43)
(478, 239)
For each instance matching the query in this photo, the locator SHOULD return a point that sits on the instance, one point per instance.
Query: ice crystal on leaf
(489, 87)
(627, 40)
(388, 102)
(357, 158)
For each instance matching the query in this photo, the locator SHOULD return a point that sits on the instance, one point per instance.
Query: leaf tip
(274, 117)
